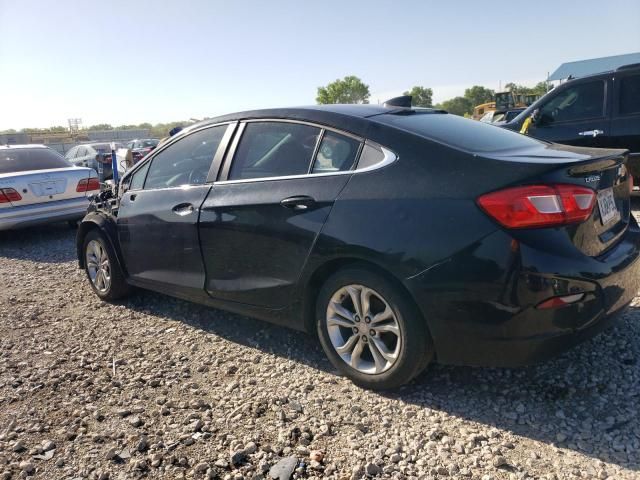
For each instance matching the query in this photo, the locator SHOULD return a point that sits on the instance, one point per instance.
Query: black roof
(348, 117)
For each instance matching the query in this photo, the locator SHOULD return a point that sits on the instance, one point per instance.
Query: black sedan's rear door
(259, 224)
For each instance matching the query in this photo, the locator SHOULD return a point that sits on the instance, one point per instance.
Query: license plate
(607, 206)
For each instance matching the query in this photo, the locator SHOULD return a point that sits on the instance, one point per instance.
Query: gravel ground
(159, 388)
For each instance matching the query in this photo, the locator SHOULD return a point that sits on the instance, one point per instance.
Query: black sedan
(399, 235)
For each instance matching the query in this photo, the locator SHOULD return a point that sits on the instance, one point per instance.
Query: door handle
(298, 202)
(591, 133)
(183, 209)
(133, 196)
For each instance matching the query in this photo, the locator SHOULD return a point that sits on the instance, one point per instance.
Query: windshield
(459, 132)
(25, 159)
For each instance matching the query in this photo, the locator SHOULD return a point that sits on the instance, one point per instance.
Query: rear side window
(630, 95)
(578, 102)
(187, 161)
(336, 153)
(25, 159)
(458, 132)
(274, 149)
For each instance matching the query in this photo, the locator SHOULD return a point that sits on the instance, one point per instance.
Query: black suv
(600, 110)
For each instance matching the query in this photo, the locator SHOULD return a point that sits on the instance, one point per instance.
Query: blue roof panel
(583, 68)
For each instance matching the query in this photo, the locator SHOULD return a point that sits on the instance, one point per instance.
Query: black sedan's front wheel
(370, 330)
(102, 268)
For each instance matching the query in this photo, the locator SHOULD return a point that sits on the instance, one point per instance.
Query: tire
(394, 331)
(110, 284)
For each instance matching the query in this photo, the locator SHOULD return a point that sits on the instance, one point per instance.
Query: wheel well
(83, 230)
(326, 270)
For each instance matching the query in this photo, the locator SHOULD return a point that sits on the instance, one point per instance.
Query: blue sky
(133, 61)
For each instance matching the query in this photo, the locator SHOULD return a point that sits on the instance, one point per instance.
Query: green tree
(58, 129)
(100, 126)
(348, 90)
(540, 88)
(145, 125)
(478, 95)
(457, 106)
(421, 96)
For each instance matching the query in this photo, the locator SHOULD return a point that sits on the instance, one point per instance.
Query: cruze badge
(592, 178)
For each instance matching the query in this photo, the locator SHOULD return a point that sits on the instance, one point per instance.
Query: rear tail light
(533, 206)
(9, 195)
(556, 302)
(88, 184)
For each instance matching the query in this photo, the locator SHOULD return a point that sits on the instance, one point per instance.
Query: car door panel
(583, 132)
(255, 246)
(625, 124)
(159, 239)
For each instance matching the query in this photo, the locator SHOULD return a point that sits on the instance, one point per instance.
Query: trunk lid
(40, 186)
(602, 170)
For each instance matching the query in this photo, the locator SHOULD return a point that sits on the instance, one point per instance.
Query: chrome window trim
(304, 122)
(388, 159)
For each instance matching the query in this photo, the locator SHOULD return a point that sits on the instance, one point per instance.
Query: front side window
(274, 149)
(336, 153)
(187, 161)
(630, 95)
(579, 102)
(137, 179)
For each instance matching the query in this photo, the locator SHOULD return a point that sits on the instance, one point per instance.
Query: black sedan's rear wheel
(370, 330)
(102, 268)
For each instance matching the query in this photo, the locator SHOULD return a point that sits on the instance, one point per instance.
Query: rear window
(25, 159)
(148, 143)
(459, 132)
(105, 147)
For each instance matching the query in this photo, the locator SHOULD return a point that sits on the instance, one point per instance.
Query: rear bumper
(41, 213)
(497, 323)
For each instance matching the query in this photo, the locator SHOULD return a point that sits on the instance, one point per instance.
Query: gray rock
(284, 468)
(27, 467)
(499, 461)
(371, 469)
(48, 445)
(237, 457)
(136, 421)
(18, 446)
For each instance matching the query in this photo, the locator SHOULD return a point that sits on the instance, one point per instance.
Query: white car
(37, 185)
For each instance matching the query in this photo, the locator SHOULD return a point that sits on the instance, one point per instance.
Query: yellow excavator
(504, 101)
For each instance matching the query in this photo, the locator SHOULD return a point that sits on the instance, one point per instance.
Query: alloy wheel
(98, 266)
(363, 329)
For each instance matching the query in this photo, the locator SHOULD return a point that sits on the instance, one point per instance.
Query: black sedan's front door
(576, 115)
(158, 215)
(258, 227)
